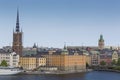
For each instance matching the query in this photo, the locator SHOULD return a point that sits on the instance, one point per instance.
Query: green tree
(4, 63)
(102, 63)
(114, 62)
(118, 62)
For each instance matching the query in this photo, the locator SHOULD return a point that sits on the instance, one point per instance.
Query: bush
(4, 63)
(116, 68)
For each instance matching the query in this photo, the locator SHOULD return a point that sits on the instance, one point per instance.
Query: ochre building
(66, 62)
(31, 63)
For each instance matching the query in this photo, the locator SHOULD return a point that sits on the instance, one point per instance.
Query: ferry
(9, 71)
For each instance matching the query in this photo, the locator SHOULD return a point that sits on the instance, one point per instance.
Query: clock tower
(101, 43)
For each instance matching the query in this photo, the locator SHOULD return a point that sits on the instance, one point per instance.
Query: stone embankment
(56, 72)
(110, 70)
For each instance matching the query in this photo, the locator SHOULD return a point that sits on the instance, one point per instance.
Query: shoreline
(108, 70)
(64, 72)
(55, 72)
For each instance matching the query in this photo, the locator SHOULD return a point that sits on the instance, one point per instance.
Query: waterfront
(95, 75)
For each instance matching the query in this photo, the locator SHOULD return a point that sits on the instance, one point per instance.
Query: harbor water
(94, 75)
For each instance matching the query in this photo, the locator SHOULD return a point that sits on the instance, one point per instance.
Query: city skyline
(52, 23)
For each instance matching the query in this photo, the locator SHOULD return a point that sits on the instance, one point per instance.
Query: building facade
(107, 58)
(31, 63)
(66, 62)
(17, 38)
(28, 63)
(12, 59)
(95, 58)
(41, 61)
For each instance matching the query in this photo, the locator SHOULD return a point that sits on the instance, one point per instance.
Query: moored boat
(9, 71)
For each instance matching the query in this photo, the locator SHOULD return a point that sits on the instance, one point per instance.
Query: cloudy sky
(51, 23)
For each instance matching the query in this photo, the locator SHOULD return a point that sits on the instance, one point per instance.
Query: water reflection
(81, 76)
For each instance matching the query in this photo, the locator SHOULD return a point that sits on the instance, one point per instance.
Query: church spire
(17, 37)
(101, 38)
(65, 51)
(101, 43)
(17, 21)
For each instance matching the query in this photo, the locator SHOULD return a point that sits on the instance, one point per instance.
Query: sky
(51, 23)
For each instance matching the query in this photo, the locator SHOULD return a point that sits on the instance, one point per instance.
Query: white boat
(9, 71)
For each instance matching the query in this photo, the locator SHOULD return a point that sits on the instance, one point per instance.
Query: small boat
(9, 71)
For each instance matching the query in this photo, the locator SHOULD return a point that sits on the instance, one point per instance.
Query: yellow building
(41, 61)
(66, 62)
(30, 63)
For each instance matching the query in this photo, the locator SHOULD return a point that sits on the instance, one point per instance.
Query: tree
(114, 62)
(4, 63)
(118, 62)
(102, 63)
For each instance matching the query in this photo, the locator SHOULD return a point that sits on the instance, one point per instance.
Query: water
(81, 76)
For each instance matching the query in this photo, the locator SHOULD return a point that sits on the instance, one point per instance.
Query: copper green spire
(101, 38)
(65, 51)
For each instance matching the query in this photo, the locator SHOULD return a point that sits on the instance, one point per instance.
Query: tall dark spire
(17, 37)
(17, 21)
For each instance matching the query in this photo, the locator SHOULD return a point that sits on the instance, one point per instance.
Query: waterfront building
(101, 43)
(28, 63)
(65, 61)
(12, 59)
(17, 38)
(95, 58)
(31, 63)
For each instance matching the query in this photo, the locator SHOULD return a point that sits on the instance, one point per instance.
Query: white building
(12, 59)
